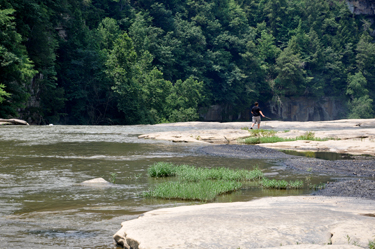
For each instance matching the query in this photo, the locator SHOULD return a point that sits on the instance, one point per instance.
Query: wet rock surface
(243, 151)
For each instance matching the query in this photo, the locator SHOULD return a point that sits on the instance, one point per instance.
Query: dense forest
(145, 61)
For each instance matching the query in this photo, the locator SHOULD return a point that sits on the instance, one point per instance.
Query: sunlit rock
(13, 122)
(277, 222)
(96, 182)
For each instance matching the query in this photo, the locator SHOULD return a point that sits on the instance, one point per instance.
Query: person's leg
(258, 122)
(253, 119)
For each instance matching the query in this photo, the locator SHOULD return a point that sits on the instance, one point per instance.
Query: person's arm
(261, 113)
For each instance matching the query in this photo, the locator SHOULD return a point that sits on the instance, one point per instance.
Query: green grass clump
(200, 191)
(196, 183)
(269, 137)
(195, 174)
(162, 169)
(281, 184)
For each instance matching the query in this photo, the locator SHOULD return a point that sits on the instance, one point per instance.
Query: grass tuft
(162, 169)
(268, 136)
(204, 184)
(196, 183)
(281, 184)
(195, 174)
(200, 191)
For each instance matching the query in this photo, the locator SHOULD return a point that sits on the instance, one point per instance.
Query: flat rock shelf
(274, 222)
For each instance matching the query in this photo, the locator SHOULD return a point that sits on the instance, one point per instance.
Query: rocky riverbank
(352, 136)
(345, 220)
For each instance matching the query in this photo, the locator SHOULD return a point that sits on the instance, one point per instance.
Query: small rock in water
(96, 182)
(50, 124)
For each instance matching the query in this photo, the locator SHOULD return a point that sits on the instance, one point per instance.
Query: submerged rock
(275, 222)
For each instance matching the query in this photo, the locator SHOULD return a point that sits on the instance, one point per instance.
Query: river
(43, 205)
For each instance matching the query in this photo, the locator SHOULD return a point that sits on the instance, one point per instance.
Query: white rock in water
(50, 124)
(96, 182)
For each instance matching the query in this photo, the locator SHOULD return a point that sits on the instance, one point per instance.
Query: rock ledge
(275, 222)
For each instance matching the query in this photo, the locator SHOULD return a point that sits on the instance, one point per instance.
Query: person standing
(256, 115)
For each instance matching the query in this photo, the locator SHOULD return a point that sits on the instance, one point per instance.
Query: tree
(360, 103)
(291, 75)
(16, 69)
(184, 100)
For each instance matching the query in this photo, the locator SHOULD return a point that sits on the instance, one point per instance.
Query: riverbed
(43, 205)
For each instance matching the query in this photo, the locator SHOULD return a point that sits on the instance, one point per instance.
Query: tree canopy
(133, 62)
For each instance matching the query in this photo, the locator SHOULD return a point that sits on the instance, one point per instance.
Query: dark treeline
(146, 61)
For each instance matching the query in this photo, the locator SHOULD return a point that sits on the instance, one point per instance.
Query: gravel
(349, 188)
(358, 168)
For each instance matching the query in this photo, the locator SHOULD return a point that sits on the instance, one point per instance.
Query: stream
(43, 205)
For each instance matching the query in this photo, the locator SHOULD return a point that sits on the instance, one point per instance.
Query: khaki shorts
(256, 119)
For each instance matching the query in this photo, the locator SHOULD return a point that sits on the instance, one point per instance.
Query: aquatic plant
(200, 191)
(194, 174)
(113, 178)
(161, 169)
(197, 183)
(281, 184)
(317, 186)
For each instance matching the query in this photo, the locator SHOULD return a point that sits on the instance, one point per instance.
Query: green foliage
(281, 184)
(200, 191)
(16, 69)
(197, 183)
(113, 177)
(131, 62)
(162, 169)
(3, 93)
(360, 105)
(264, 136)
(195, 174)
(371, 244)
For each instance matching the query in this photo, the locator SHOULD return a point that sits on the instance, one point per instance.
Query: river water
(42, 204)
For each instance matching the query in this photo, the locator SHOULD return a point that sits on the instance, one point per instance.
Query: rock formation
(362, 7)
(301, 222)
(306, 109)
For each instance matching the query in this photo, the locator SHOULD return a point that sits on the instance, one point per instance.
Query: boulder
(98, 182)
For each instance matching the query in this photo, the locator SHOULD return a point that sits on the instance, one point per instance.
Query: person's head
(256, 103)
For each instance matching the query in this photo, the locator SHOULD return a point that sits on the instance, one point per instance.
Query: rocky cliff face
(307, 109)
(364, 7)
(287, 109)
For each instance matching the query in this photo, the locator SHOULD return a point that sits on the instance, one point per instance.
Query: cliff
(364, 7)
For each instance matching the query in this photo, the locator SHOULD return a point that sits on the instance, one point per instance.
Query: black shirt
(255, 110)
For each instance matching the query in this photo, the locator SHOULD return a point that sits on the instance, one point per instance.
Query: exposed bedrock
(274, 222)
(362, 7)
(306, 109)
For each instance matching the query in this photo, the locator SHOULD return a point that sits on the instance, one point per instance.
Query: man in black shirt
(256, 115)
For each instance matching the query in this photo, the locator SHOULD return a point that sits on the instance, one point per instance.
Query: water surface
(42, 204)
